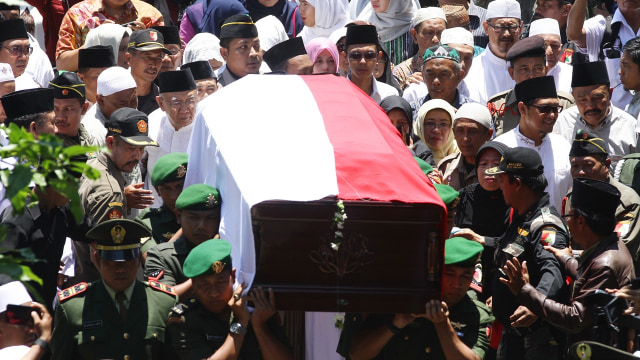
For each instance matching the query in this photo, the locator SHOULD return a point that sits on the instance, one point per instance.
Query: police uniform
(236, 27)
(148, 40)
(92, 322)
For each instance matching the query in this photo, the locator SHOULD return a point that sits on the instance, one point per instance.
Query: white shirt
(488, 75)
(554, 151)
(618, 130)
(381, 90)
(25, 81)
(633, 108)
(93, 121)
(562, 76)
(169, 140)
(419, 91)
(14, 352)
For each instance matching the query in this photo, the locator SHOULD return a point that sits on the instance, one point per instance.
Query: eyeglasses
(17, 50)
(432, 126)
(499, 29)
(357, 56)
(191, 102)
(548, 109)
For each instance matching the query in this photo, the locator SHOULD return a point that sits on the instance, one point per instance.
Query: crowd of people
(523, 115)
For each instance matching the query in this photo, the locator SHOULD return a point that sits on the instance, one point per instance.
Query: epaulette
(72, 291)
(162, 287)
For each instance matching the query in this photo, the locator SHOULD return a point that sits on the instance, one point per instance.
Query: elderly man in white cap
(489, 72)
(7, 85)
(22, 321)
(471, 129)
(428, 25)
(549, 30)
(116, 88)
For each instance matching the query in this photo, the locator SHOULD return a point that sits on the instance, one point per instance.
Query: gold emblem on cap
(65, 92)
(583, 351)
(585, 136)
(211, 201)
(118, 233)
(182, 171)
(142, 126)
(217, 267)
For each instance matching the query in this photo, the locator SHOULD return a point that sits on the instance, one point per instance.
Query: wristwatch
(394, 329)
(42, 343)
(237, 328)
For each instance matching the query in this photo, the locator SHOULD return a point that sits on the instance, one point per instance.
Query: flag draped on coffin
(296, 138)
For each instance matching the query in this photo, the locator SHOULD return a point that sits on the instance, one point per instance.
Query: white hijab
(270, 32)
(107, 35)
(202, 47)
(330, 16)
(392, 23)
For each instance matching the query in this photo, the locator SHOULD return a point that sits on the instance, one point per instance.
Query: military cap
(447, 193)
(441, 52)
(209, 258)
(67, 85)
(27, 102)
(170, 167)
(591, 73)
(497, 146)
(461, 252)
(238, 27)
(361, 34)
(518, 161)
(171, 34)
(424, 166)
(118, 240)
(176, 81)
(131, 125)
(147, 40)
(527, 47)
(595, 196)
(585, 144)
(13, 29)
(284, 51)
(97, 56)
(200, 70)
(199, 197)
(536, 88)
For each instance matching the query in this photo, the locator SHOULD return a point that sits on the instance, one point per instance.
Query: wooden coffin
(390, 260)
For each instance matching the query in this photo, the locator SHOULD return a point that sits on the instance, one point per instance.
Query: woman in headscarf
(383, 73)
(204, 46)
(400, 113)
(286, 11)
(208, 16)
(322, 17)
(114, 35)
(270, 32)
(324, 55)
(434, 127)
(392, 19)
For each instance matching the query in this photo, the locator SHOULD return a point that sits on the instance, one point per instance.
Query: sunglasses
(548, 109)
(357, 56)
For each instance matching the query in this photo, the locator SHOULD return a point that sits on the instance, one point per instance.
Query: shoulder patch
(72, 291)
(162, 287)
(548, 236)
(622, 228)
(115, 214)
(115, 203)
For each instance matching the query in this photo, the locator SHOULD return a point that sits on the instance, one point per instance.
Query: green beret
(461, 252)
(424, 166)
(209, 258)
(170, 167)
(199, 197)
(119, 239)
(447, 193)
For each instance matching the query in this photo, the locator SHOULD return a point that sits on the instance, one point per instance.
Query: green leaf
(20, 178)
(39, 180)
(76, 150)
(28, 275)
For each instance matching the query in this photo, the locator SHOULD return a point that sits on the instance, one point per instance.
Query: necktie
(122, 307)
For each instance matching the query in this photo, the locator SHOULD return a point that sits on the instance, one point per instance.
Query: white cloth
(618, 130)
(633, 108)
(108, 35)
(394, 22)
(330, 16)
(39, 67)
(14, 352)
(203, 46)
(503, 9)
(554, 152)
(489, 75)
(169, 140)
(93, 121)
(562, 76)
(595, 28)
(25, 81)
(271, 32)
(544, 26)
(321, 334)
(13, 293)
(419, 91)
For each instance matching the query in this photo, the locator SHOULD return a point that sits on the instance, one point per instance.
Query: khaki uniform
(504, 109)
(455, 173)
(103, 198)
(163, 225)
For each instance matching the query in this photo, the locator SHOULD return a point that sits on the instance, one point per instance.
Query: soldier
(117, 317)
(69, 105)
(198, 212)
(168, 179)
(216, 322)
(452, 328)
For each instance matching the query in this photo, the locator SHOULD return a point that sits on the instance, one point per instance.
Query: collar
(533, 209)
(494, 59)
(375, 85)
(618, 17)
(526, 140)
(127, 292)
(182, 246)
(587, 253)
(511, 99)
(100, 115)
(603, 124)
(457, 100)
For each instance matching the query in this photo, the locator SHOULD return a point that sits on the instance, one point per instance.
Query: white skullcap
(503, 9)
(115, 79)
(271, 32)
(427, 14)
(204, 46)
(6, 74)
(476, 112)
(13, 293)
(544, 26)
(457, 35)
(338, 34)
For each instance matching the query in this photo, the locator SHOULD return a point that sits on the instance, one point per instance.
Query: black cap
(13, 29)
(528, 47)
(585, 144)
(518, 161)
(27, 102)
(200, 70)
(237, 27)
(5, 6)
(131, 125)
(147, 40)
(98, 56)
(171, 34)
(497, 146)
(118, 240)
(361, 34)
(536, 88)
(175, 81)
(591, 73)
(595, 196)
(67, 85)
(284, 51)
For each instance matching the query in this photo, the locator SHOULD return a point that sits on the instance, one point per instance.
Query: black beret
(528, 47)
(175, 81)
(13, 29)
(595, 196)
(238, 27)
(585, 144)
(200, 70)
(361, 34)
(591, 73)
(284, 51)
(27, 102)
(536, 88)
(98, 56)
(171, 34)
(67, 85)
